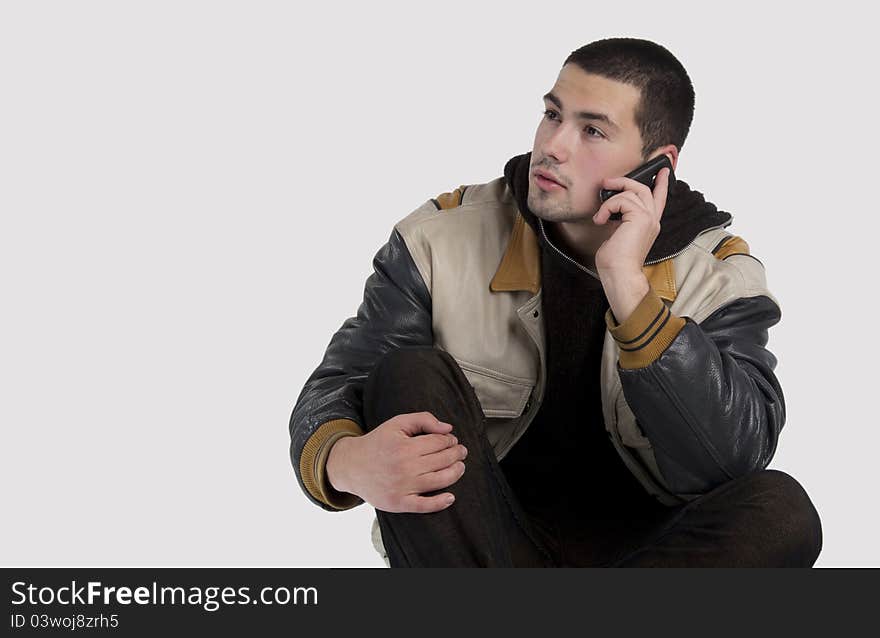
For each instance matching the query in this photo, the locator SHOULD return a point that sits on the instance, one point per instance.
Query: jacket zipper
(647, 263)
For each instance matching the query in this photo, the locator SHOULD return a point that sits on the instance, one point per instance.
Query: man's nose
(557, 144)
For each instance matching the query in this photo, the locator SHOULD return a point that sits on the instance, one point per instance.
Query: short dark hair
(666, 108)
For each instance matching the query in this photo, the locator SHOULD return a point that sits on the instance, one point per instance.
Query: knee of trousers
(794, 513)
(399, 365)
(418, 378)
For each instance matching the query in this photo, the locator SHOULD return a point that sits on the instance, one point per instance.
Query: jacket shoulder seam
(743, 284)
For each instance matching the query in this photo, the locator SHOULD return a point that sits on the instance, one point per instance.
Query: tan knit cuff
(646, 333)
(313, 463)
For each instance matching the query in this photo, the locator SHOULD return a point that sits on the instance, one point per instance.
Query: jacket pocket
(631, 434)
(501, 395)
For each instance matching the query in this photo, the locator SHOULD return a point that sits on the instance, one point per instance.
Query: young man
(591, 391)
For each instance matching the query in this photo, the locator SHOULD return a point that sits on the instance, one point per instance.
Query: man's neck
(580, 240)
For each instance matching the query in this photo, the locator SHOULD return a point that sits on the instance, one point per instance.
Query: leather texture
(711, 405)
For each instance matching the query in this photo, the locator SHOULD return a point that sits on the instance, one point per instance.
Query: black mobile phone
(644, 174)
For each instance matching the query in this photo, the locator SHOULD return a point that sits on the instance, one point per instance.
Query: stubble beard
(552, 209)
(555, 210)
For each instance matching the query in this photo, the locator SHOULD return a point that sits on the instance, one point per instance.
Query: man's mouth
(545, 182)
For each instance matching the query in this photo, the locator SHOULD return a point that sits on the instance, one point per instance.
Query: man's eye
(551, 115)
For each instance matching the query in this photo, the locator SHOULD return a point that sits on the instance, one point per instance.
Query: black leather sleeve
(395, 311)
(711, 405)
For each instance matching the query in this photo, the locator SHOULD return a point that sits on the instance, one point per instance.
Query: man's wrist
(625, 290)
(336, 463)
(646, 333)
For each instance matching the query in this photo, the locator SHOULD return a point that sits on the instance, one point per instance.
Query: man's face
(579, 152)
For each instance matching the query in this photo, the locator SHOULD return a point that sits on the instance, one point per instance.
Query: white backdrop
(192, 194)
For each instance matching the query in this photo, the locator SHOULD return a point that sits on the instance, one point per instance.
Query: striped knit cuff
(313, 463)
(646, 333)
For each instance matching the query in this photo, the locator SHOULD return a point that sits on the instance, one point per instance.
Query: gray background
(192, 193)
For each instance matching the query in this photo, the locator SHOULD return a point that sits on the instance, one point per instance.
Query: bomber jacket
(689, 396)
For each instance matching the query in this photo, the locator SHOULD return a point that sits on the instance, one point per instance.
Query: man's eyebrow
(583, 115)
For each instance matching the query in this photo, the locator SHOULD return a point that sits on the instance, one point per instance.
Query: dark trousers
(764, 519)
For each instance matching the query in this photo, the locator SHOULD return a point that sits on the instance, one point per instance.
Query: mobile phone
(644, 174)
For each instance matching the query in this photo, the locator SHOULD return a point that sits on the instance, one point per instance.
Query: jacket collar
(520, 268)
(685, 216)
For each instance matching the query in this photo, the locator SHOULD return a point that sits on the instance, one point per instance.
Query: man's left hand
(624, 253)
(620, 258)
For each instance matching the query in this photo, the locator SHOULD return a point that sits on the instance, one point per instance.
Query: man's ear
(671, 151)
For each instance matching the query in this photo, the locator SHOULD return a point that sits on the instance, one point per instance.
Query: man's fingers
(644, 195)
(661, 190)
(425, 504)
(439, 479)
(430, 443)
(442, 459)
(627, 184)
(419, 422)
(624, 202)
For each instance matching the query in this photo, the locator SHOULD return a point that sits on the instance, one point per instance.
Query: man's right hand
(392, 465)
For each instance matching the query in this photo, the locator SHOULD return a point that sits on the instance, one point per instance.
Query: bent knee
(398, 367)
(796, 522)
